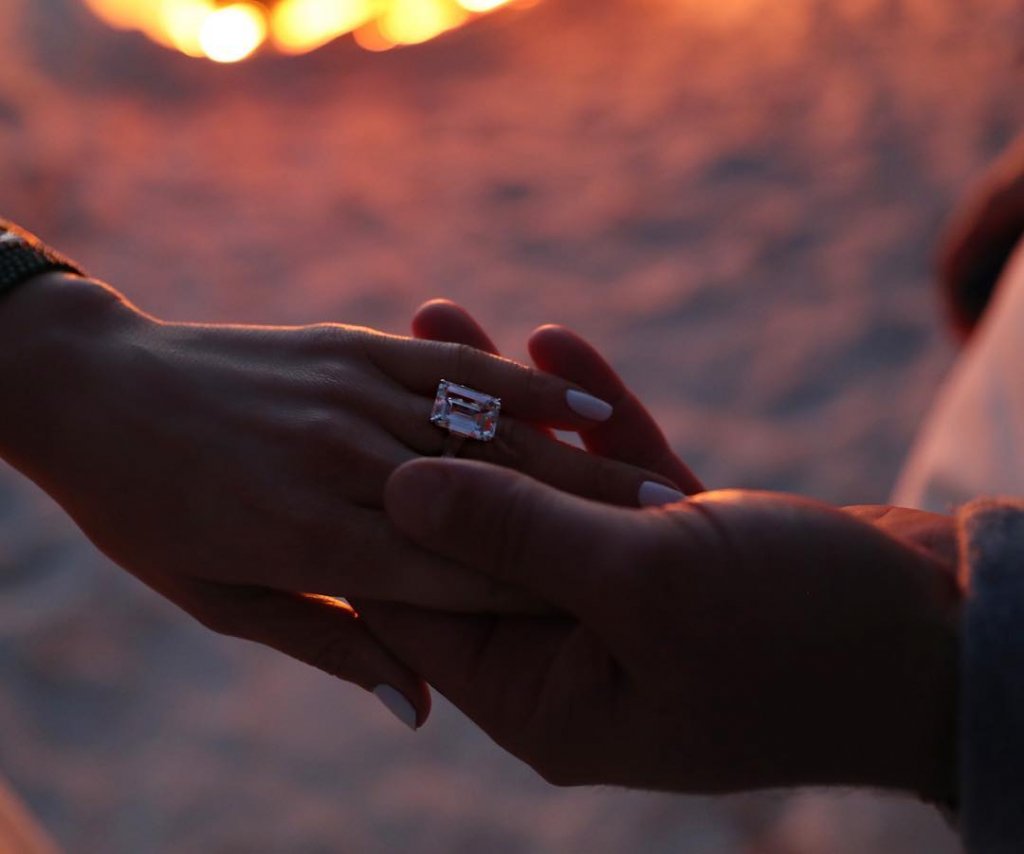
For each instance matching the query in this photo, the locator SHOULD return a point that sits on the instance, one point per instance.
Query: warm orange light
(415, 21)
(233, 32)
(371, 38)
(182, 22)
(227, 31)
(123, 14)
(480, 6)
(300, 26)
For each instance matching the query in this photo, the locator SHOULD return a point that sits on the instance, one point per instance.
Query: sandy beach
(738, 200)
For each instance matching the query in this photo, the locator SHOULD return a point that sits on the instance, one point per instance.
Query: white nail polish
(653, 494)
(394, 701)
(588, 406)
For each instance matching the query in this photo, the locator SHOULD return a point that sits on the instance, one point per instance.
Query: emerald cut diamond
(466, 412)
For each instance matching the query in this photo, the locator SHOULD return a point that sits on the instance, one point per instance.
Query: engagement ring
(465, 413)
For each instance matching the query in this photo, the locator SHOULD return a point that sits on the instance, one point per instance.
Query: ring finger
(524, 447)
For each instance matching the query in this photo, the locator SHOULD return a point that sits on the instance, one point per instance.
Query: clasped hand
(238, 471)
(735, 640)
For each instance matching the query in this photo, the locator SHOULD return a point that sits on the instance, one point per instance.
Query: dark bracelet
(23, 256)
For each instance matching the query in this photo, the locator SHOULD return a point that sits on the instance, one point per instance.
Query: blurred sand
(736, 199)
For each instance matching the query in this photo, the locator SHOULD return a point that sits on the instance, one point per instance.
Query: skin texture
(733, 641)
(239, 471)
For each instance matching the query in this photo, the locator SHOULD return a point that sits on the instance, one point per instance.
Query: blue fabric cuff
(991, 727)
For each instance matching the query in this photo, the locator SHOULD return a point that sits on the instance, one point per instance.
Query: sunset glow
(232, 31)
(300, 26)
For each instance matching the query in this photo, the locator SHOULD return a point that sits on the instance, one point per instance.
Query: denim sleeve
(991, 720)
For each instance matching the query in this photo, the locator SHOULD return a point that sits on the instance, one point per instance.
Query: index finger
(526, 393)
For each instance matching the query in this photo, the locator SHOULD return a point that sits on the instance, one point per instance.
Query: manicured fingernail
(394, 701)
(654, 494)
(588, 406)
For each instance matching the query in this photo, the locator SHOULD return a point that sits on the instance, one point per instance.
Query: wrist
(52, 326)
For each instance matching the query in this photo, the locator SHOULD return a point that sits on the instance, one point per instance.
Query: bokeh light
(229, 32)
(233, 32)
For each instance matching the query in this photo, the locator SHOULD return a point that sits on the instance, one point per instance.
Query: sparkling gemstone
(465, 412)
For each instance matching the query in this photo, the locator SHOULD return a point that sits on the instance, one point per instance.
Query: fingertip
(328, 633)
(443, 320)
(548, 336)
(654, 494)
(423, 702)
(588, 406)
(438, 304)
(559, 350)
(431, 313)
(556, 349)
(549, 329)
(412, 711)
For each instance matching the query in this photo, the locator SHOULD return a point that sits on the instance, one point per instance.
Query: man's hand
(736, 640)
(237, 469)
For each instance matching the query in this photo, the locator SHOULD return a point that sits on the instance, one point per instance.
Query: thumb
(514, 529)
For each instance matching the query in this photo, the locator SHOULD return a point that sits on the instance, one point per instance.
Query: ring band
(466, 414)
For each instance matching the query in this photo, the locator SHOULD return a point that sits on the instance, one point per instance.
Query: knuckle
(330, 339)
(459, 363)
(322, 338)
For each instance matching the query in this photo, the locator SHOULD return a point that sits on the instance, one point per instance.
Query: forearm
(53, 328)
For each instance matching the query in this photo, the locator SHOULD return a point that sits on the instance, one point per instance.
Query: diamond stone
(465, 412)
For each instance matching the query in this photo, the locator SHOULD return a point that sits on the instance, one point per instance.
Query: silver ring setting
(466, 414)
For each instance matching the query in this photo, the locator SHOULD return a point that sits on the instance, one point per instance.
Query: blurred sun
(231, 31)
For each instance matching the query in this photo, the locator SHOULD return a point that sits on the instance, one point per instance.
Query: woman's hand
(630, 435)
(237, 469)
(736, 640)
